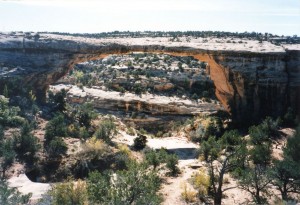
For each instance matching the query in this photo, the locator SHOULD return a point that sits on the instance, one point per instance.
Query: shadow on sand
(184, 153)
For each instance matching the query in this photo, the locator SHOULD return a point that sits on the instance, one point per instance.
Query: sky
(281, 17)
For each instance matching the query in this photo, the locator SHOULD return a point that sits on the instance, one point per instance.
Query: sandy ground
(186, 151)
(26, 186)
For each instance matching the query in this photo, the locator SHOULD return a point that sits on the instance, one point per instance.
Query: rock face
(146, 103)
(252, 79)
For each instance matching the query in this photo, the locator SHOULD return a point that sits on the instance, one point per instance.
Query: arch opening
(144, 88)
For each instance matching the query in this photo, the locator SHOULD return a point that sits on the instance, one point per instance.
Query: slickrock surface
(154, 104)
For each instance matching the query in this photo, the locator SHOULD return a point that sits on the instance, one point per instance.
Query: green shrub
(153, 159)
(58, 100)
(172, 161)
(106, 130)
(56, 128)
(210, 149)
(94, 148)
(140, 142)
(195, 96)
(69, 193)
(73, 130)
(260, 139)
(25, 144)
(213, 127)
(85, 114)
(7, 155)
(143, 131)
(9, 114)
(231, 138)
(159, 134)
(130, 131)
(83, 133)
(56, 147)
(121, 160)
(136, 185)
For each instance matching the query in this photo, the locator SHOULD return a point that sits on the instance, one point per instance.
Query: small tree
(58, 100)
(153, 159)
(25, 144)
(286, 177)
(172, 162)
(106, 130)
(98, 187)
(56, 147)
(261, 145)
(9, 114)
(86, 114)
(69, 193)
(285, 174)
(255, 175)
(55, 128)
(256, 181)
(140, 142)
(222, 157)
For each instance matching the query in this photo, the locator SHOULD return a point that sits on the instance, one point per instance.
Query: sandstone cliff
(252, 79)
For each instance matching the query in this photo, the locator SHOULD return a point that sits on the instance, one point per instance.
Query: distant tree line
(176, 34)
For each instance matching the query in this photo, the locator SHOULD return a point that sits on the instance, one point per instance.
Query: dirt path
(185, 150)
(188, 163)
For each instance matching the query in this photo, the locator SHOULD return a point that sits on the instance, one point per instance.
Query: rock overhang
(242, 72)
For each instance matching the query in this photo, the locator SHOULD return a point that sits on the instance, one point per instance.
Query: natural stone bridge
(252, 79)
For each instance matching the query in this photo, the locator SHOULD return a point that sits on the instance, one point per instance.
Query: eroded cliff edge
(252, 79)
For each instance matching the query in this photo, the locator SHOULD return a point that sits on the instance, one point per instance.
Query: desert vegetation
(94, 157)
(146, 73)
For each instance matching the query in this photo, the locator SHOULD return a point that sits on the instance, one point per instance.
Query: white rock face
(25, 186)
(212, 44)
(154, 104)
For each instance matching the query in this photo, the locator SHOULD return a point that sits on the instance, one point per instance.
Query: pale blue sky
(92, 16)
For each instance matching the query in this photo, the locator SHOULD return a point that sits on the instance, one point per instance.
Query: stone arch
(224, 90)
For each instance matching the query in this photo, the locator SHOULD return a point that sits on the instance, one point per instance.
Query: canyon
(252, 79)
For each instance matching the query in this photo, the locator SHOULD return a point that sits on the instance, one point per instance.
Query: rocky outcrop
(128, 102)
(164, 87)
(251, 79)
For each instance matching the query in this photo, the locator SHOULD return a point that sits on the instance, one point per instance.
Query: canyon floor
(168, 99)
(171, 188)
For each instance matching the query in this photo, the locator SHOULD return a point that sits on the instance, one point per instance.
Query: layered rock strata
(252, 79)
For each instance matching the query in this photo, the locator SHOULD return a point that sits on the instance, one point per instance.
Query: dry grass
(201, 181)
(187, 194)
(94, 146)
